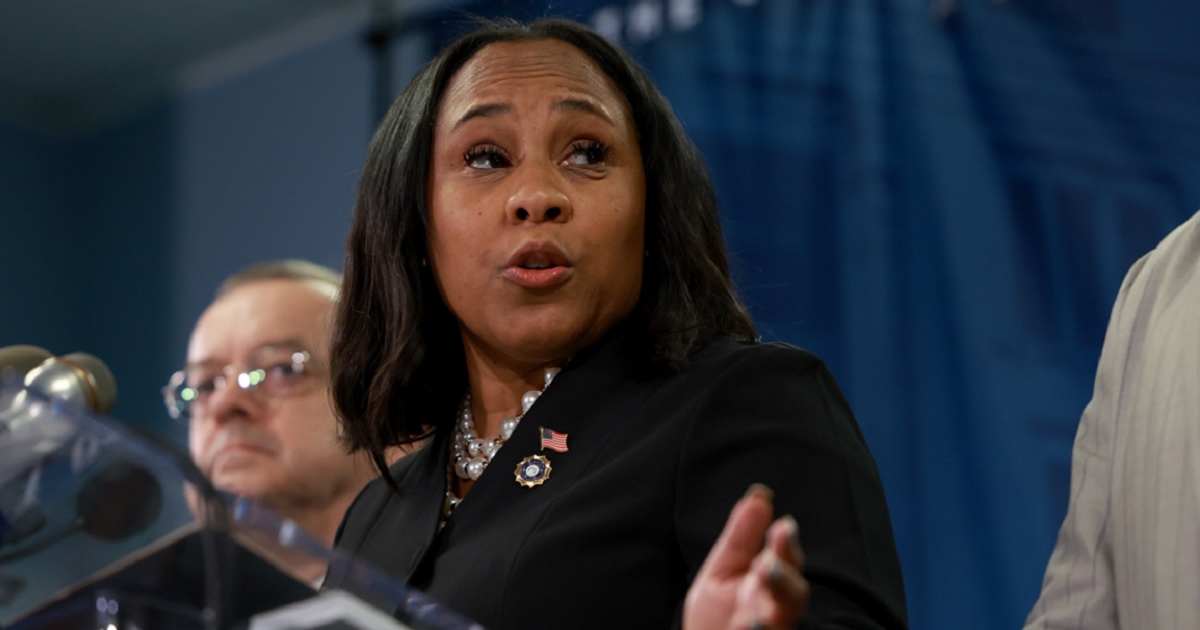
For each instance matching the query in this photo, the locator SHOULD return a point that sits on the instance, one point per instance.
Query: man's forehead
(259, 315)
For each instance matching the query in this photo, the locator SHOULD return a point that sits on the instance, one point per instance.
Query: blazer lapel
(405, 529)
(596, 381)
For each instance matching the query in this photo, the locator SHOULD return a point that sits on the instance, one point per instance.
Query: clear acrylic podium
(101, 527)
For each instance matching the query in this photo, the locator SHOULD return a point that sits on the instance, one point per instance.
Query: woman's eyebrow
(487, 110)
(580, 105)
(491, 110)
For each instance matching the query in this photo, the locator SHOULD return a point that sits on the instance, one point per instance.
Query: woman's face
(537, 202)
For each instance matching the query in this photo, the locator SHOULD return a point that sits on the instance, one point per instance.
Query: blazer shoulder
(784, 373)
(722, 355)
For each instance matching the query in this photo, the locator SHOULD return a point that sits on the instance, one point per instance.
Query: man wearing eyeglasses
(255, 395)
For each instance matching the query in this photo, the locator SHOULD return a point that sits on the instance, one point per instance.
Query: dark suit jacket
(614, 536)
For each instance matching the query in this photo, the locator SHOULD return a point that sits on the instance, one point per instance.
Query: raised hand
(751, 578)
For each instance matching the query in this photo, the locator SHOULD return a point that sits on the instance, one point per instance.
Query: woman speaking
(536, 284)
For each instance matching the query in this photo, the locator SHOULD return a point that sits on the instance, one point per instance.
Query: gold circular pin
(533, 471)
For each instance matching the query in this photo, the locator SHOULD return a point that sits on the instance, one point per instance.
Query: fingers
(774, 595)
(788, 590)
(754, 568)
(778, 566)
(784, 539)
(779, 595)
(742, 538)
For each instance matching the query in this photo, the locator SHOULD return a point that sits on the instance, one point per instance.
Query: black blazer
(627, 515)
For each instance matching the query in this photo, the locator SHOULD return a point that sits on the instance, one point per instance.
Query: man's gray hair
(327, 280)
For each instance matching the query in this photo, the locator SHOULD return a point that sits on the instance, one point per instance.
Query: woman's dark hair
(397, 358)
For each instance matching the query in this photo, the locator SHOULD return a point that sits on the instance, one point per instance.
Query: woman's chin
(549, 344)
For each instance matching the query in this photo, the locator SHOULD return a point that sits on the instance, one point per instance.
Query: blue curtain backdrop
(940, 198)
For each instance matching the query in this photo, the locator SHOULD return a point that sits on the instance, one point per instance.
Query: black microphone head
(120, 500)
(22, 358)
(99, 377)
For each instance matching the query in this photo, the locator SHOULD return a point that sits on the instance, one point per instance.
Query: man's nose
(231, 402)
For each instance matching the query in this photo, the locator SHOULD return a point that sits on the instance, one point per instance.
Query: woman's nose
(539, 196)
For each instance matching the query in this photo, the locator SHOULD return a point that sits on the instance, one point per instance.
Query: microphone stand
(216, 550)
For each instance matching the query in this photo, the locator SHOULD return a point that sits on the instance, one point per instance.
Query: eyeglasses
(272, 372)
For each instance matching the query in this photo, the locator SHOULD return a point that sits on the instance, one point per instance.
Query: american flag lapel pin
(535, 469)
(553, 440)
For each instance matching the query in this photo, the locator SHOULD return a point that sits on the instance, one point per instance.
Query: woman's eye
(485, 156)
(588, 153)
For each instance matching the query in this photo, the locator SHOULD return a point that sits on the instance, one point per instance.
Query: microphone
(29, 428)
(32, 426)
(15, 363)
(118, 501)
(22, 358)
(78, 377)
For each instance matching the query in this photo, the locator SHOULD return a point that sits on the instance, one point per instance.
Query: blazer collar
(596, 379)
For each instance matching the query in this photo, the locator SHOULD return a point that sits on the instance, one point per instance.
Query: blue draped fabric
(940, 198)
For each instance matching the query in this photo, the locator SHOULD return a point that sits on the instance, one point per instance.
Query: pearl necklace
(472, 453)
